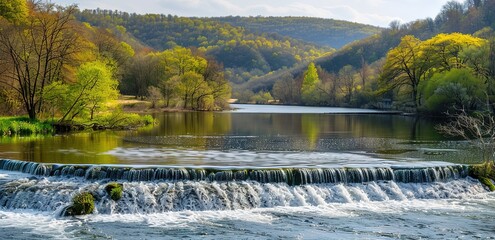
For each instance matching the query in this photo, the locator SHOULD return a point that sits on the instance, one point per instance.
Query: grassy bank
(11, 126)
(117, 120)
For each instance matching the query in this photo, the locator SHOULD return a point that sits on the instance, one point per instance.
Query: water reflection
(72, 148)
(217, 138)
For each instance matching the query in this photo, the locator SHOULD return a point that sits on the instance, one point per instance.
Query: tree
(481, 60)
(35, 53)
(220, 89)
(451, 16)
(142, 72)
(262, 97)
(95, 86)
(285, 89)
(309, 94)
(454, 89)
(444, 50)
(14, 10)
(346, 82)
(191, 85)
(154, 95)
(479, 126)
(406, 65)
(169, 89)
(180, 60)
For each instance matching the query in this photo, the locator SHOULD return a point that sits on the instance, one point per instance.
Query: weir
(290, 176)
(156, 190)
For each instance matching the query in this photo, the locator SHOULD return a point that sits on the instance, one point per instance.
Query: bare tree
(34, 53)
(478, 127)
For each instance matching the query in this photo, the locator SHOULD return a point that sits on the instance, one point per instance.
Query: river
(258, 172)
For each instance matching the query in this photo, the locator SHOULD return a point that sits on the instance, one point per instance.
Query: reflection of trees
(310, 127)
(192, 123)
(80, 148)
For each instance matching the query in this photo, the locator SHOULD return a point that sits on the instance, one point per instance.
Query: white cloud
(374, 12)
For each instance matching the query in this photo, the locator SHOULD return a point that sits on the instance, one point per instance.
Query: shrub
(114, 190)
(121, 120)
(484, 173)
(451, 90)
(82, 204)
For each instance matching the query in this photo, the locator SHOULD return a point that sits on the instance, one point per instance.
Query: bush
(82, 204)
(455, 89)
(485, 173)
(114, 190)
(121, 120)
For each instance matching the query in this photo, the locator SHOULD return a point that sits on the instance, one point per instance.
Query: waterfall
(54, 194)
(155, 190)
(290, 176)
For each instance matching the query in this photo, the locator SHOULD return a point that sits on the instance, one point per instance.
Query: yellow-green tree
(415, 61)
(191, 85)
(445, 50)
(406, 66)
(309, 87)
(94, 87)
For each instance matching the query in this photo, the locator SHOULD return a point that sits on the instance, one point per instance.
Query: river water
(259, 172)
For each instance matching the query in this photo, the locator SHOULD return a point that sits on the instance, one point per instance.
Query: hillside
(350, 76)
(468, 18)
(244, 54)
(319, 31)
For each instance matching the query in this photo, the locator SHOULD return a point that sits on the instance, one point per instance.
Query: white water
(412, 219)
(383, 210)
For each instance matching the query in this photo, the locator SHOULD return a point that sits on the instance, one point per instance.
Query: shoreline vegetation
(119, 116)
(23, 126)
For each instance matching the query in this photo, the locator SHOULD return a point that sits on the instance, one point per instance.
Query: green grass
(23, 126)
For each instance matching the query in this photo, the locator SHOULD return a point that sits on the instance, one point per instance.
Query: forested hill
(244, 54)
(320, 31)
(471, 17)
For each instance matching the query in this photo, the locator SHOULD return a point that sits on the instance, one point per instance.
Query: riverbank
(23, 126)
(10, 126)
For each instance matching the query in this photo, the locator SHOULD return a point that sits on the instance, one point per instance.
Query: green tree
(191, 85)
(169, 89)
(94, 87)
(261, 97)
(309, 85)
(453, 90)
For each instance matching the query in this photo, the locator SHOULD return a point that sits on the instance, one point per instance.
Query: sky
(373, 12)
